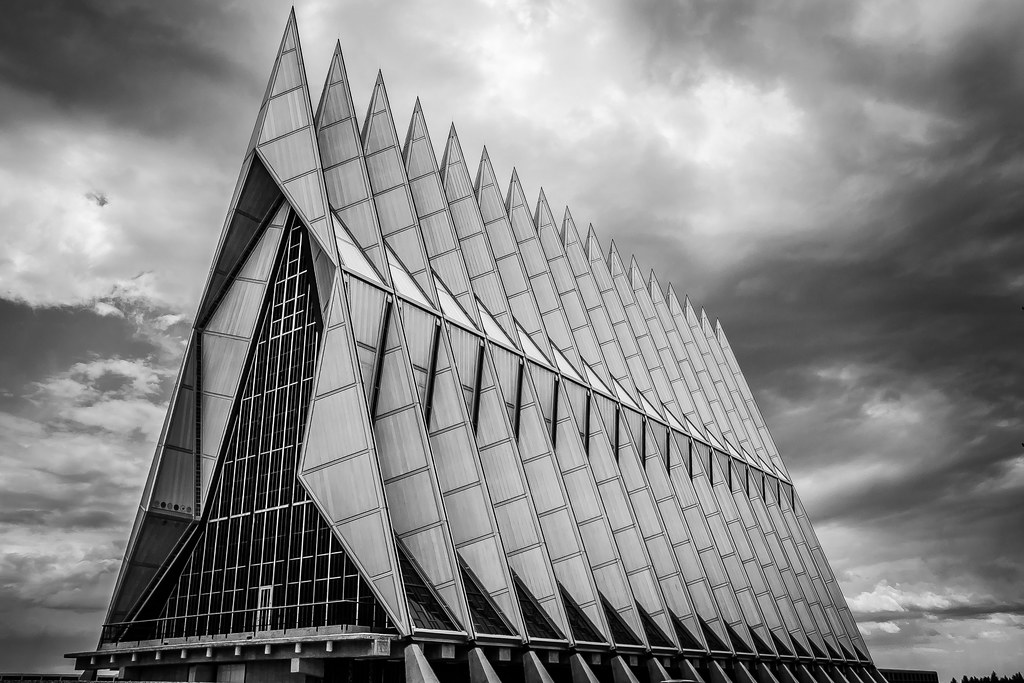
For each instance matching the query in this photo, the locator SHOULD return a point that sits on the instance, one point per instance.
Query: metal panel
(341, 152)
(391, 193)
(338, 465)
(434, 217)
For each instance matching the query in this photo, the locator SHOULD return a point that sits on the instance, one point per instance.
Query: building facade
(424, 430)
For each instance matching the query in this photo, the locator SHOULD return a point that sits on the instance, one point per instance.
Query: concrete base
(417, 669)
(621, 672)
(533, 669)
(480, 670)
(656, 672)
(581, 672)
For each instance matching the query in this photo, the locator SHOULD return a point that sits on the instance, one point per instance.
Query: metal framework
(423, 431)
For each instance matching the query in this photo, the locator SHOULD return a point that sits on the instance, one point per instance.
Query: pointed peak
(569, 226)
(379, 99)
(654, 288)
(290, 38)
(515, 195)
(614, 261)
(543, 215)
(337, 73)
(485, 172)
(691, 315)
(452, 152)
(720, 333)
(593, 244)
(673, 300)
(634, 267)
(417, 129)
(568, 231)
(636, 276)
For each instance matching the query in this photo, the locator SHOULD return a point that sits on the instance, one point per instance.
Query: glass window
(263, 556)
(450, 306)
(531, 350)
(491, 327)
(565, 367)
(403, 282)
(351, 255)
(624, 396)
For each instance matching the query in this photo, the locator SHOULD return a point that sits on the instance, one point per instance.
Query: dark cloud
(154, 67)
(100, 198)
(39, 342)
(881, 334)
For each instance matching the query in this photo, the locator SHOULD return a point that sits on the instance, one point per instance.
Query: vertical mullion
(428, 394)
(378, 368)
(476, 384)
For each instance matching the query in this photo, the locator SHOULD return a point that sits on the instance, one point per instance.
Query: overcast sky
(841, 183)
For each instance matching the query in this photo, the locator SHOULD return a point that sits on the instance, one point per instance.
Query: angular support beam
(656, 672)
(533, 669)
(480, 670)
(689, 672)
(718, 675)
(742, 674)
(764, 674)
(822, 676)
(804, 675)
(581, 672)
(417, 669)
(786, 675)
(839, 677)
(621, 672)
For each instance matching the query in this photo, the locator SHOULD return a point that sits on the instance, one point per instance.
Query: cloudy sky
(842, 183)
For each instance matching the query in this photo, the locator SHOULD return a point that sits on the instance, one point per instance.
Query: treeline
(993, 678)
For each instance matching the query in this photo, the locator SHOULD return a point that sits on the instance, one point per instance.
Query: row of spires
(344, 153)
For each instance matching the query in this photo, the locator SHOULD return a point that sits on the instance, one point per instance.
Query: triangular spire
(284, 140)
(435, 219)
(341, 152)
(469, 228)
(542, 215)
(514, 275)
(396, 212)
